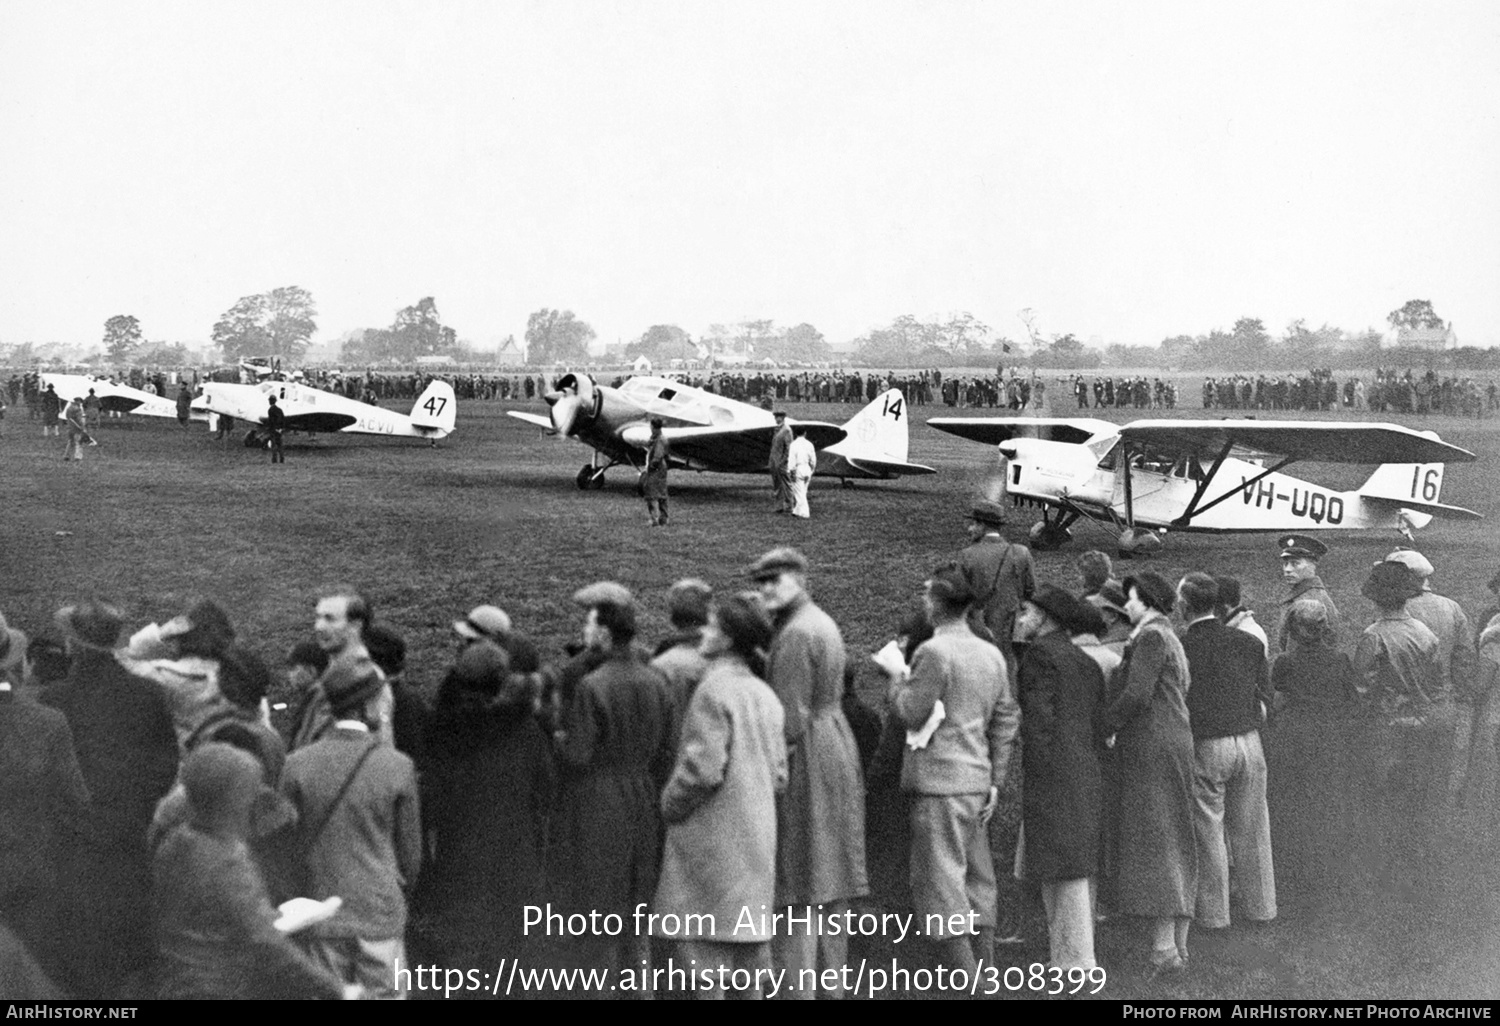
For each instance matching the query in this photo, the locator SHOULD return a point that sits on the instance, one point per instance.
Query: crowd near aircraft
(1211, 475)
(312, 409)
(709, 432)
(113, 398)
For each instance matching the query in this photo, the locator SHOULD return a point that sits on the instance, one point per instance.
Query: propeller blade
(564, 413)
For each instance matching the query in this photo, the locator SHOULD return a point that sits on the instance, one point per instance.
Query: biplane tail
(1414, 489)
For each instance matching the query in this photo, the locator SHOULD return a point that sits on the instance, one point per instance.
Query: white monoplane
(1212, 475)
(709, 432)
(113, 397)
(312, 409)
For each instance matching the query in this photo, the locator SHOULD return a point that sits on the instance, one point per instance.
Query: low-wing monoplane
(113, 397)
(1212, 475)
(312, 409)
(709, 432)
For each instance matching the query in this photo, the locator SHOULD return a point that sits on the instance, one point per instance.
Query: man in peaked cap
(1299, 569)
(1000, 575)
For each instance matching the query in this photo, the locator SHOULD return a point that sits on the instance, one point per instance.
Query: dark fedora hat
(92, 624)
(1056, 603)
(1391, 583)
(350, 683)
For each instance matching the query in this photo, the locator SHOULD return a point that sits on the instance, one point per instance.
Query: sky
(1127, 172)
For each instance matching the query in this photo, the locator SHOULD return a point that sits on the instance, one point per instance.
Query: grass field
(156, 513)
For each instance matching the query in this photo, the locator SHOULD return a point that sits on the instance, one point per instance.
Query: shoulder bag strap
(310, 836)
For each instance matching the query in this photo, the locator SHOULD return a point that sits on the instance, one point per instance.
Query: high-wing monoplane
(709, 432)
(1212, 475)
(113, 397)
(312, 409)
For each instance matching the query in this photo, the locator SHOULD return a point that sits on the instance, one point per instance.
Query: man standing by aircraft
(275, 424)
(781, 443)
(1299, 569)
(802, 460)
(654, 477)
(1000, 576)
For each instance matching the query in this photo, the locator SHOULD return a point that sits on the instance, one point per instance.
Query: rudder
(879, 430)
(436, 409)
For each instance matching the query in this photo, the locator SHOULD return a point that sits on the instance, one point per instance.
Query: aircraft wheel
(585, 477)
(1139, 541)
(596, 482)
(1046, 537)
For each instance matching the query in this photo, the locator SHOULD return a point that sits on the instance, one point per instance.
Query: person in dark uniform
(1299, 569)
(654, 477)
(275, 424)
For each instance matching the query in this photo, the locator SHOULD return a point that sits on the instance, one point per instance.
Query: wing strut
(1193, 507)
(1129, 494)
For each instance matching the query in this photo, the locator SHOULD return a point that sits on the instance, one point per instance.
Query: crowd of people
(160, 816)
(1391, 391)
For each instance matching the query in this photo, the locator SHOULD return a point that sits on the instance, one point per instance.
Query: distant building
(1420, 338)
(510, 353)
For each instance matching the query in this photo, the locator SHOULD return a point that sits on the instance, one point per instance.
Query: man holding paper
(962, 720)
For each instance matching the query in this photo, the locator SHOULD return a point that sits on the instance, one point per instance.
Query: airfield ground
(157, 513)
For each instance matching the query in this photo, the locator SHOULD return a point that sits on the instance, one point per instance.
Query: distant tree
(122, 338)
(277, 324)
(662, 342)
(1416, 313)
(165, 354)
(805, 344)
(556, 336)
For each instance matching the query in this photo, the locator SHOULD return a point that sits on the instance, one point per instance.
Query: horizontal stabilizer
(884, 468)
(1437, 509)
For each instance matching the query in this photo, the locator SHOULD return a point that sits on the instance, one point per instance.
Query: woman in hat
(720, 802)
(1157, 872)
(486, 788)
(1309, 754)
(1398, 672)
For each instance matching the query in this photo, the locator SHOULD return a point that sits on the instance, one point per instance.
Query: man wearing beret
(1299, 569)
(820, 823)
(359, 832)
(1060, 688)
(1000, 576)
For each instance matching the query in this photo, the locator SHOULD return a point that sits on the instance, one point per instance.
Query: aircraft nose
(564, 413)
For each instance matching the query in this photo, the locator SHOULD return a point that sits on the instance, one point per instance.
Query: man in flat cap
(820, 827)
(677, 657)
(1445, 618)
(1060, 690)
(127, 750)
(359, 831)
(1398, 672)
(613, 739)
(1299, 569)
(1000, 575)
(781, 478)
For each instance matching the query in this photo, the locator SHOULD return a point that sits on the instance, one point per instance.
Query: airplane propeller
(575, 394)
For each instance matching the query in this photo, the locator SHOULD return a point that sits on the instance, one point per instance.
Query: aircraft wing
(1319, 441)
(319, 420)
(729, 449)
(882, 468)
(994, 430)
(531, 418)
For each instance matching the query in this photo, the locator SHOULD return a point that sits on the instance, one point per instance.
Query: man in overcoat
(1000, 576)
(1299, 569)
(820, 840)
(781, 477)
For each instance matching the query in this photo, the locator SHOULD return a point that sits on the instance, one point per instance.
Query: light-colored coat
(720, 806)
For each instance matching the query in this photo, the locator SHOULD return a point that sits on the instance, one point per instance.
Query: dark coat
(614, 747)
(214, 926)
(43, 803)
(487, 789)
(127, 752)
(654, 478)
(1061, 689)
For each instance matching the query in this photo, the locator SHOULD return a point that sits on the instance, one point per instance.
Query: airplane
(113, 398)
(312, 409)
(1211, 475)
(708, 432)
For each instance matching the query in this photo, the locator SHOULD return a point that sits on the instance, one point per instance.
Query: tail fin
(1417, 483)
(878, 431)
(435, 410)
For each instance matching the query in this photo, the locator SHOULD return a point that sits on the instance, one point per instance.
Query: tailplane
(878, 439)
(435, 410)
(1414, 489)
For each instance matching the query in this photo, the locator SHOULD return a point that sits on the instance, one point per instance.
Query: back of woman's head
(744, 622)
(244, 677)
(210, 633)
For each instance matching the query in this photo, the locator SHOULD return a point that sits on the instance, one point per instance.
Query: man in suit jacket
(360, 832)
(781, 476)
(1228, 699)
